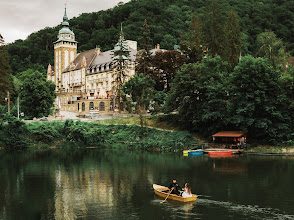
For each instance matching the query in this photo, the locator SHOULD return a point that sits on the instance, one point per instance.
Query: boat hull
(192, 152)
(220, 153)
(163, 191)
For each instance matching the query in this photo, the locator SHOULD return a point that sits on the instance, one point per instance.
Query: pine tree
(144, 58)
(234, 38)
(121, 59)
(5, 71)
(212, 29)
(190, 44)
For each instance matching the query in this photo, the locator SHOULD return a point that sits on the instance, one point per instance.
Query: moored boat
(193, 152)
(163, 192)
(220, 153)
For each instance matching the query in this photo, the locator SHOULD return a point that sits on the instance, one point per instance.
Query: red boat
(220, 153)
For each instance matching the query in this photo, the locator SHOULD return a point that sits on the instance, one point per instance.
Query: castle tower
(65, 51)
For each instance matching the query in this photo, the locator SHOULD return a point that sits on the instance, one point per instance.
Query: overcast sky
(19, 18)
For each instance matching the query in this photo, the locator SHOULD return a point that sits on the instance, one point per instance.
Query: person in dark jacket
(175, 188)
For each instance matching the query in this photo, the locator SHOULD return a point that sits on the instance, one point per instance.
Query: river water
(117, 184)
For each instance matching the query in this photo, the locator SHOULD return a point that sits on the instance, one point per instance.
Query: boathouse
(230, 138)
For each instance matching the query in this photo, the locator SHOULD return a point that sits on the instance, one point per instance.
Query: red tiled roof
(229, 134)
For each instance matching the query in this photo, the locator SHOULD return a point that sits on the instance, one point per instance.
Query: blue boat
(196, 152)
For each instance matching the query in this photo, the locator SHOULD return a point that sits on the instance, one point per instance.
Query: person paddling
(174, 186)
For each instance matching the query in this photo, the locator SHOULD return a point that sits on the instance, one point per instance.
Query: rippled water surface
(117, 184)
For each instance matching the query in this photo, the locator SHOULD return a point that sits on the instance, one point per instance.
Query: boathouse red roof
(230, 134)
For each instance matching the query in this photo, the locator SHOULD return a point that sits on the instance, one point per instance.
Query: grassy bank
(160, 122)
(86, 134)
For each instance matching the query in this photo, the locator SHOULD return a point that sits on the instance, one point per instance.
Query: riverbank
(69, 133)
(272, 150)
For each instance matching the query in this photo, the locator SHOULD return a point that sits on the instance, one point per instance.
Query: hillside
(168, 20)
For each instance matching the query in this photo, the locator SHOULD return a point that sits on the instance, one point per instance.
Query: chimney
(98, 51)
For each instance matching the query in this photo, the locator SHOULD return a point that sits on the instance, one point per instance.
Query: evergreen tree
(212, 31)
(144, 59)
(234, 38)
(121, 59)
(190, 44)
(5, 71)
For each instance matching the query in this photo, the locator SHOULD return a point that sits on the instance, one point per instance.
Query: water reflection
(117, 184)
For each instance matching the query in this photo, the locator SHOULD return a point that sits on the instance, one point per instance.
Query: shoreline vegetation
(16, 134)
(161, 133)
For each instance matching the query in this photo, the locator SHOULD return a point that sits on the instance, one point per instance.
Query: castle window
(83, 106)
(102, 106)
(91, 105)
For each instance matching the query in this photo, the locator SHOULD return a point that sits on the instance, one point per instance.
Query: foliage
(121, 57)
(140, 90)
(190, 43)
(12, 133)
(272, 48)
(257, 102)
(167, 21)
(5, 71)
(198, 94)
(37, 95)
(165, 65)
(144, 59)
(233, 36)
(212, 29)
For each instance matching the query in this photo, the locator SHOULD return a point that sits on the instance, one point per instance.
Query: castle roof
(86, 57)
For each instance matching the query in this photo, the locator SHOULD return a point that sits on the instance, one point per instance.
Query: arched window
(83, 106)
(91, 105)
(121, 107)
(102, 106)
(78, 106)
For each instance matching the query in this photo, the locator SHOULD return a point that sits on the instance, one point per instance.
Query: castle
(85, 81)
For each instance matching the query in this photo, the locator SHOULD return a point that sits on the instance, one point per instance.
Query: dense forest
(168, 21)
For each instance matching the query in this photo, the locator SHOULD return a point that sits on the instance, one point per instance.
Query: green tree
(272, 48)
(140, 92)
(213, 32)
(144, 59)
(37, 95)
(257, 101)
(234, 38)
(199, 94)
(5, 71)
(121, 58)
(190, 43)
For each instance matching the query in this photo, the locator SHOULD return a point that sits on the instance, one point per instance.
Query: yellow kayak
(163, 191)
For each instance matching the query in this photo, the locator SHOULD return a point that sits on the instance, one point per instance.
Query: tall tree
(190, 43)
(37, 95)
(165, 64)
(272, 48)
(5, 71)
(1, 40)
(140, 90)
(234, 38)
(121, 59)
(257, 101)
(199, 92)
(213, 23)
(144, 59)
